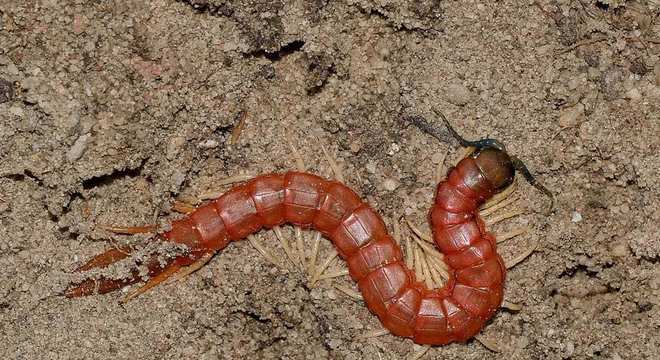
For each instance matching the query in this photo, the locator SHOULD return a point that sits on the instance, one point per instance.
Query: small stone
(316, 294)
(390, 184)
(576, 217)
(11, 69)
(332, 295)
(638, 67)
(570, 349)
(355, 147)
(371, 167)
(79, 24)
(6, 91)
(619, 250)
(16, 111)
(76, 151)
(208, 144)
(438, 158)
(458, 94)
(4, 206)
(178, 178)
(174, 146)
(31, 83)
(611, 83)
(634, 94)
(570, 116)
(394, 148)
(656, 70)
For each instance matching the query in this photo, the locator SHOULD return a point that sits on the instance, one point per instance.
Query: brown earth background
(111, 110)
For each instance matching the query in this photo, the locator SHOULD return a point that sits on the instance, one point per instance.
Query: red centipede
(406, 307)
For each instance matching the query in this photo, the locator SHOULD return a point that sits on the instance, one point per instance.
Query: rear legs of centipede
(158, 270)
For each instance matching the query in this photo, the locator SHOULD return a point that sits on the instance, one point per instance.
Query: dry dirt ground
(111, 110)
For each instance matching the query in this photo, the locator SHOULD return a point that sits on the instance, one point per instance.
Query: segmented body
(455, 312)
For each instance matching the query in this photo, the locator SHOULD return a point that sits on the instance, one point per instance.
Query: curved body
(404, 306)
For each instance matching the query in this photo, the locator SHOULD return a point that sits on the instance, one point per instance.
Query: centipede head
(498, 166)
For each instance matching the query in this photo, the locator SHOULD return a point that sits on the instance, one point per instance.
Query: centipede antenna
(522, 168)
(426, 127)
(434, 131)
(461, 140)
(478, 144)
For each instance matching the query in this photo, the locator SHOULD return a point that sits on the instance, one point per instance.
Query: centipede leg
(511, 306)
(265, 253)
(198, 264)
(213, 194)
(418, 350)
(166, 272)
(488, 344)
(118, 253)
(300, 164)
(349, 292)
(503, 216)
(498, 198)
(374, 333)
(419, 353)
(502, 237)
(129, 230)
(104, 259)
(425, 259)
(509, 263)
(336, 170)
(102, 285)
(183, 207)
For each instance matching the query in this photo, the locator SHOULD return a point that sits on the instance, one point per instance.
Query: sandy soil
(111, 110)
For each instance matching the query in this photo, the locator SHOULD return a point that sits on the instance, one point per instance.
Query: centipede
(405, 306)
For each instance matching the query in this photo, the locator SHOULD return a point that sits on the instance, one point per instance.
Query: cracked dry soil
(111, 110)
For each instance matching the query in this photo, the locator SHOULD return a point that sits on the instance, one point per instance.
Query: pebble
(208, 144)
(355, 147)
(390, 184)
(438, 157)
(4, 206)
(16, 111)
(394, 148)
(577, 217)
(173, 147)
(619, 250)
(6, 91)
(458, 94)
(316, 294)
(634, 94)
(656, 71)
(331, 294)
(31, 83)
(371, 167)
(570, 349)
(78, 148)
(570, 116)
(178, 178)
